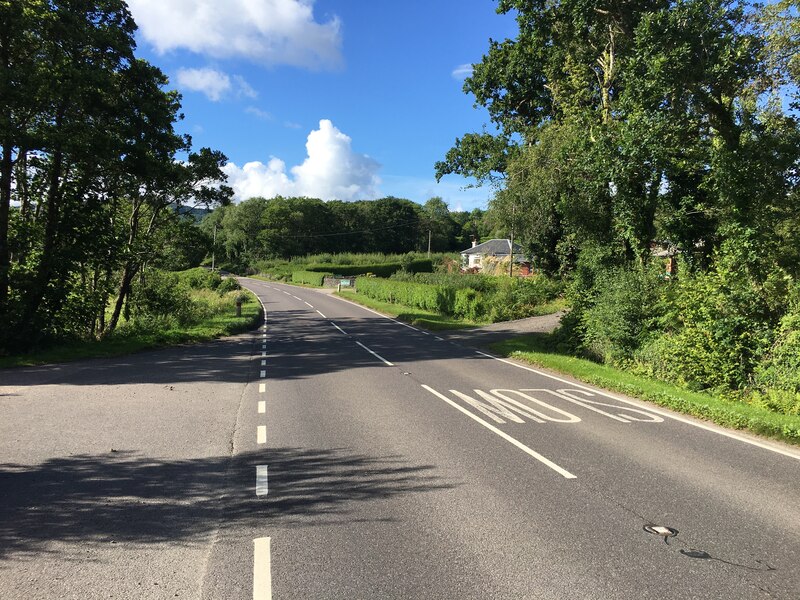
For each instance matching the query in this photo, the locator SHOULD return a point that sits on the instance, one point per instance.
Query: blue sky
(347, 99)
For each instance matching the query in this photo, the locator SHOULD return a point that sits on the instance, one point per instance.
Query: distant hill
(196, 213)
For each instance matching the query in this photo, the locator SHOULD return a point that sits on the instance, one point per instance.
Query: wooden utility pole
(511, 244)
(511, 255)
(429, 243)
(214, 248)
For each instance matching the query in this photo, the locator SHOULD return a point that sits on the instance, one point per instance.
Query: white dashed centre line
(261, 434)
(307, 304)
(262, 569)
(321, 315)
(339, 328)
(263, 374)
(262, 407)
(261, 480)
(375, 354)
(263, 363)
(262, 387)
(263, 353)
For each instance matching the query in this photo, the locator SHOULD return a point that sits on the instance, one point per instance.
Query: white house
(498, 249)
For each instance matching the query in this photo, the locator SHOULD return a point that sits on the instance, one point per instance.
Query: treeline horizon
(259, 229)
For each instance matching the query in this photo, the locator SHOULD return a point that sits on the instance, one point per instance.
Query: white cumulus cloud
(331, 171)
(214, 84)
(265, 31)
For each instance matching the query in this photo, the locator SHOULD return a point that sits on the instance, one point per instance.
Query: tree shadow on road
(126, 498)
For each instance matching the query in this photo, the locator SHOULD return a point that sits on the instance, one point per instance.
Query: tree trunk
(128, 273)
(29, 329)
(6, 169)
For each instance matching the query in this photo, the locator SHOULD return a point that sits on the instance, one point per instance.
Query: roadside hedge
(461, 303)
(381, 270)
(309, 277)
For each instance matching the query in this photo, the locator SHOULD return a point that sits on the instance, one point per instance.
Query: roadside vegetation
(167, 308)
(746, 412)
(97, 185)
(660, 183)
(654, 188)
(469, 298)
(408, 314)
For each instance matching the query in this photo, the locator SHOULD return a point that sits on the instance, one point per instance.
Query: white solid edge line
(644, 406)
(262, 407)
(375, 312)
(261, 434)
(262, 569)
(321, 315)
(375, 354)
(339, 328)
(262, 387)
(261, 480)
(545, 461)
(307, 304)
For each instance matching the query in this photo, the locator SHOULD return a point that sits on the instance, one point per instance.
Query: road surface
(335, 453)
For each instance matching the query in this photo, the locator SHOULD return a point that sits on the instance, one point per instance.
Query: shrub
(624, 313)
(381, 270)
(718, 325)
(200, 278)
(427, 297)
(161, 295)
(780, 368)
(469, 304)
(309, 277)
(228, 284)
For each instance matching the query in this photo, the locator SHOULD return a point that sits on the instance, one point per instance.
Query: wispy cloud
(274, 32)
(258, 113)
(461, 72)
(243, 88)
(216, 85)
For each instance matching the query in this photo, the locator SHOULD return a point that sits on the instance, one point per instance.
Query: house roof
(494, 248)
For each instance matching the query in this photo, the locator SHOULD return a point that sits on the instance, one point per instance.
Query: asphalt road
(336, 453)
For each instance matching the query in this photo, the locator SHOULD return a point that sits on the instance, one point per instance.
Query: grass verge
(415, 316)
(135, 340)
(537, 349)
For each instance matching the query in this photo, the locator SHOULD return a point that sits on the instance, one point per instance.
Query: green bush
(309, 277)
(162, 296)
(199, 278)
(228, 284)
(469, 304)
(624, 314)
(780, 368)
